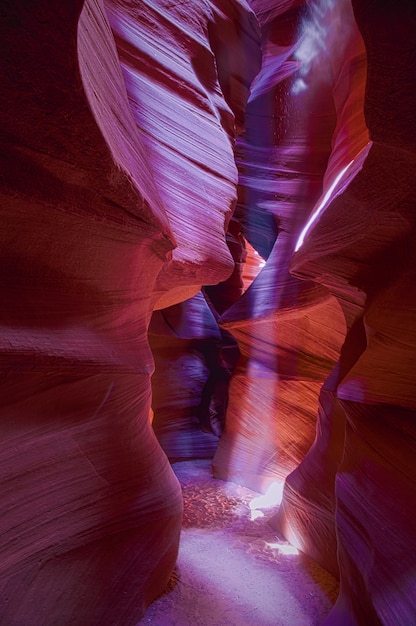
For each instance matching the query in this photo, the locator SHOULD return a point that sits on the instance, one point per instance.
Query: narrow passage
(233, 568)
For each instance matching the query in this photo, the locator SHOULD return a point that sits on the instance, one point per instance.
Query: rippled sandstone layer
(108, 143)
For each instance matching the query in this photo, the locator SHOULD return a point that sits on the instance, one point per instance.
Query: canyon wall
(362, 249)
(98, 179)
(154, 155)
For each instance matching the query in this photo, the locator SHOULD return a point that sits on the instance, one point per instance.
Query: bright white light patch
(272, 497)
(298, 86)
(283, 548)
(255, 515)
(321, 206)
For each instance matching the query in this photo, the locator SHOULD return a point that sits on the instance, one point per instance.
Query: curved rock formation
(194, 360)
(96, 196)
(187, 70)
(302, 123)
(359, 476)
(85, 487)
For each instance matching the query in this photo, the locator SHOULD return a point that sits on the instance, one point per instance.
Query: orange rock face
(355, 477)
(303, 126)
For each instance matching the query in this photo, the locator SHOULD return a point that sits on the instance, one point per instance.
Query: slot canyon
(208, 254)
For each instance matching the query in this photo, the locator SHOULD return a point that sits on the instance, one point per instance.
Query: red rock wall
(106, 187)
(350, 502)
(361, 468)
(86, 490)
(304, 121)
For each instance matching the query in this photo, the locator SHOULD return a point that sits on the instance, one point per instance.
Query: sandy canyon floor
(233, 569)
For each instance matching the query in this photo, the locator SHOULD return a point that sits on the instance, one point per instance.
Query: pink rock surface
(187, 70)
(301, 124)
(361, 249)
(96, 194)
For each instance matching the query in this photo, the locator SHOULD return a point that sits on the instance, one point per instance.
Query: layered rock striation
(304, 121)
(360, 471)
(117, 182)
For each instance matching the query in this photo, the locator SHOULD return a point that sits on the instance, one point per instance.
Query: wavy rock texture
(86, 490)
(362, 249)
(97, 183)
(194, 360)
(187, 69)
(302, 122)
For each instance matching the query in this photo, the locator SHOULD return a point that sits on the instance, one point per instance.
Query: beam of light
(283, 548)
(298, 86)
(322, 205)
(312, 52)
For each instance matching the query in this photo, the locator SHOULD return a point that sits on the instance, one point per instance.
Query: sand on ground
(233, 569)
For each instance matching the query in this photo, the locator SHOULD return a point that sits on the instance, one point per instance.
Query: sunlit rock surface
(362, 249)
(98, 184)
(302, 122)
(187, 69)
